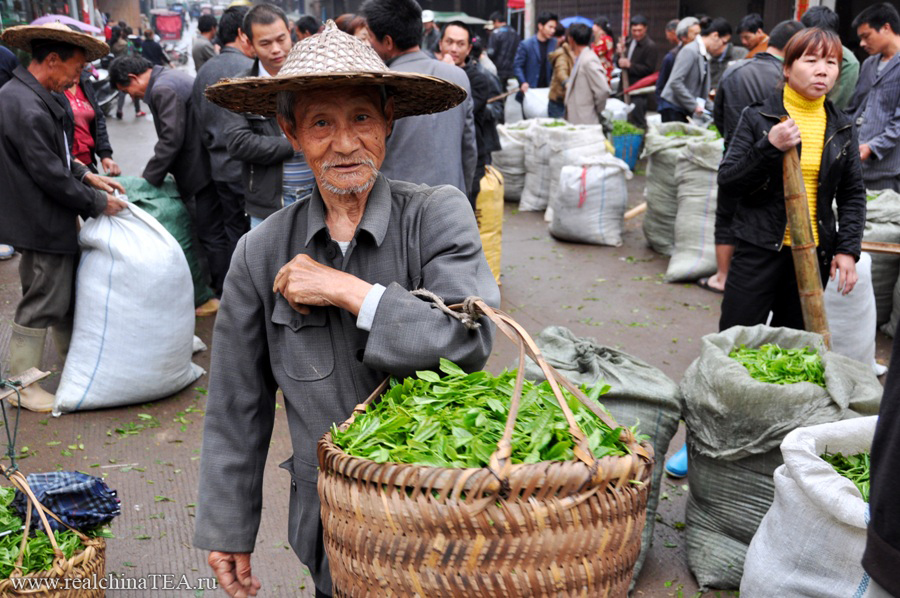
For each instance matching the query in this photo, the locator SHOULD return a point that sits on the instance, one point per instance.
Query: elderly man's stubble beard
(355, 189)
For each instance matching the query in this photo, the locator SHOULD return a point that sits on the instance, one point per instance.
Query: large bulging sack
(510, 158)
(535, 102)
(694, 253)
(134, 316)
(851, 318)
(811, 541)
(489, 214)
(662, 145)
(735, 427)
(639, 394)
(883, 225)
(546, 139)
(591, 204)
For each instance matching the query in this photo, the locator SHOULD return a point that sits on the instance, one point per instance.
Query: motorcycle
(176, 55)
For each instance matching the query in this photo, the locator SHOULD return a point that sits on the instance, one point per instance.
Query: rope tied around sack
(468, 315)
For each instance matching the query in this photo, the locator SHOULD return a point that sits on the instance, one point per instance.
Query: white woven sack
(134, 317)
(811, 541)
(510, 158)
(547, 138)
(851, 317)
(591, 203)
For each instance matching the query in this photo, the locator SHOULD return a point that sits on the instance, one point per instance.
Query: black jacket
(881, 559)
(40, 193)
(152, 51)
(102, 146)
(8, 64)
(752, 175)
(484, 87)
(644, 59)
(259, 144)
(744, 83)
(501, 49)
(179, 149)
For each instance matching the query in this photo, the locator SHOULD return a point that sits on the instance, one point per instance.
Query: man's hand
(785, 135)
(114, 205)
(110, 167)
(865, 152)
(624, 63)
(448, 59)
(304, 282)
(232, 569)
(848, 276)
(524, 87)
(698, 109)
(104, 183)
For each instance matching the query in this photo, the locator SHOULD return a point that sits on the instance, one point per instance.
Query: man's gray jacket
(875, 109)
(689, 79)
(231, 62)
(433, 149)
(410, 237)
(178, 148)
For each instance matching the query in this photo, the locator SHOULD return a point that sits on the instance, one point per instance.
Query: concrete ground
(150, 453)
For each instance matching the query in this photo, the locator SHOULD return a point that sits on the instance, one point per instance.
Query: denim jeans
(288, 199)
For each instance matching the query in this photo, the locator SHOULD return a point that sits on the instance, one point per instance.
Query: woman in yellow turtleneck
(761, 278)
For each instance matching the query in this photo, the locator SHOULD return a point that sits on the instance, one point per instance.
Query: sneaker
(6, 252)
(677, 464)
(140, 114)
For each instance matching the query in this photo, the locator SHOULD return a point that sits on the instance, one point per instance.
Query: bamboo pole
(636, 210)
(879, 247)
(803, 248)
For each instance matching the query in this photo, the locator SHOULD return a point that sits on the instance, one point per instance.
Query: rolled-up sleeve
(240, 415)
(410, 334)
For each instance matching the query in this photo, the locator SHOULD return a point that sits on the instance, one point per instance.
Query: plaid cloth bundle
(82, 501)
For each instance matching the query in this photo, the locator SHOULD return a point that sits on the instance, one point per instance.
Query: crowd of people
(291, 168)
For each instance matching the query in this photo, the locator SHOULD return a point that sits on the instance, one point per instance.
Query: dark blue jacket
(528, 61)
(8, 64)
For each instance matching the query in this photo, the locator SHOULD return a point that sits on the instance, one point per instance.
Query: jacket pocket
(308, 350)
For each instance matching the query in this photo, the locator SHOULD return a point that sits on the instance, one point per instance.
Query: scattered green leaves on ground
(775, 365)
(457, 420)
(853, 467)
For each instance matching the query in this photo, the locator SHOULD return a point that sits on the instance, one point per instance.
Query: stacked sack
(662, 146)
(735, 425)
(883, 225)
(509, 160)
(589, 206)
(546, 139)
(696, 170)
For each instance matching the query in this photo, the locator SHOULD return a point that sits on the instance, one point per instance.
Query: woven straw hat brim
(22, 36)
(414, 94)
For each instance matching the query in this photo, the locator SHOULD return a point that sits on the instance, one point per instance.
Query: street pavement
(150, 453)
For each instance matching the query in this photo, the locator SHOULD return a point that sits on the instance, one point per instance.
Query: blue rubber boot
(677, 464)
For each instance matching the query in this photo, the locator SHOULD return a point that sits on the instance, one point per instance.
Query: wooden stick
(502, 96)
(636, 211)
(879, 247)
(803, 248)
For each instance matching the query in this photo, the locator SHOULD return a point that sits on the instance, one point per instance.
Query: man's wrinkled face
(873, 41)
(692, 33)
(638, 32)
(65, 73)
(455, 42)
(137, 85)
(272, 43)
(342, 134)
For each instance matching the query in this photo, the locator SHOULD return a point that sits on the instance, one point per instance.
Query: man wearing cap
(44, 191)
(317, 301)
(436, 149)
(431, 34)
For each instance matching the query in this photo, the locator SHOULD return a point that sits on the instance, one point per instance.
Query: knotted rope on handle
(468, 315)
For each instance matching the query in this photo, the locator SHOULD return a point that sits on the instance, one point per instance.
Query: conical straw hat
(23, 36)
(334, 59)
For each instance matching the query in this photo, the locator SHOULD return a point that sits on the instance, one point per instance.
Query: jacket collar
(23, 75)
(409, 57)
(892, 64)
(375, 218)
(154, 75)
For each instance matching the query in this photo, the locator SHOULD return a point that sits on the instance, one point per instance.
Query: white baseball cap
(428, 16)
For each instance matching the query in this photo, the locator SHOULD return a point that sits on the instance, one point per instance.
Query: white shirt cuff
(369, 305)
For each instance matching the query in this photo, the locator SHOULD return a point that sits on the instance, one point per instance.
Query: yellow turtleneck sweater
(810, 118)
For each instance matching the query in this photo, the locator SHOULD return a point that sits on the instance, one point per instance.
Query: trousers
(48, 289)
(210, 229)
(234, 218)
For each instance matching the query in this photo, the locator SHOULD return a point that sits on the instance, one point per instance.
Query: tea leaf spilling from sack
(854, 467)
(623, 127)
(38, 551)
(457, 420)
(775, 365)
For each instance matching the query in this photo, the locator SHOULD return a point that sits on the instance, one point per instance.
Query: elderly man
(44, 191)
(317, 299)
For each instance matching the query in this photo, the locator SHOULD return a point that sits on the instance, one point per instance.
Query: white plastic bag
(851, 318)
(535, 102)
(616, 110)
(134, 316)
(591, 203)
(811, 541)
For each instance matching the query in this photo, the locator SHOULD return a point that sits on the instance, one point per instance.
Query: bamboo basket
(548, 529)
(86, 564)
